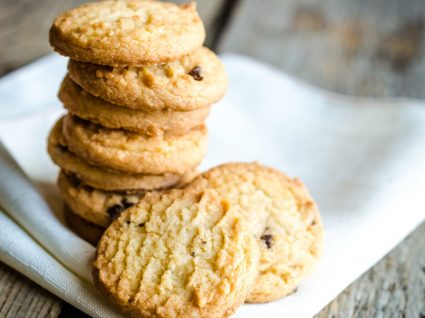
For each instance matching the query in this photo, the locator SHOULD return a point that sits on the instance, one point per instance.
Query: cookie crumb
(196, 73)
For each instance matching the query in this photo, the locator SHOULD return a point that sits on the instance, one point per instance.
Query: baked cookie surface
(127, 32)
(107, 180)
(99, 111)
(193, 81)
(93, 205)
(283, 217)
(177, 254)
(129, 152)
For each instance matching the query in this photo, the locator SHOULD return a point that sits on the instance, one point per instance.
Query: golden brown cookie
(84, 229)
(192, 82)
(135, 153)
(281, 214)
(93, 205)
(108, 180)
(127, 32)
(177, 254)
(99, 111)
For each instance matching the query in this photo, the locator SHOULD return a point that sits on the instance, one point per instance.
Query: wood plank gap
(220, 22)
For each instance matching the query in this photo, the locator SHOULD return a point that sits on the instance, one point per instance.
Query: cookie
(93, 205)
(177, 254)
(84, 229)
(94, 109)
(107, 179)
(135, 153)
(192, 82)
(129, 32)
(283, 217)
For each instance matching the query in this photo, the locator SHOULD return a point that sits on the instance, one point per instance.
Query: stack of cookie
(138, 89)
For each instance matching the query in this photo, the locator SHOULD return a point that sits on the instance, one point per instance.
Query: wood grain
(395, 287)
(19, 297)
(362, 47)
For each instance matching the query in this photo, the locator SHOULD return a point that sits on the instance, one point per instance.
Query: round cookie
(281, 214)
(129, 32)
(192, 82)
(93, 205)
(84, 229)
(99, 111)
(177, 254)
(135, 153)
(107, 180)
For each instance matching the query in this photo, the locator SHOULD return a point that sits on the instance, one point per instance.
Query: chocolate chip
(193, 254)
(62, 148)
(115, 210)
(126, 203)
(128, 222)
(196, 73)
(141, 225)
(268, 240)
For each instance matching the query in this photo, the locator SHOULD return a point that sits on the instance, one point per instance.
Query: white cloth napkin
(362, 159)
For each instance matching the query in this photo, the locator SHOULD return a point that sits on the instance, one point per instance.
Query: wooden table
(361, 47)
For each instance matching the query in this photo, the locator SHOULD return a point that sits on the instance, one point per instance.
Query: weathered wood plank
(372, 48)
(24, 26)
(362, 47)
(19, 297)
(395, 287)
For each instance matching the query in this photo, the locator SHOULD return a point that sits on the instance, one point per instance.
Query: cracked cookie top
(127, 32)
(177, 254)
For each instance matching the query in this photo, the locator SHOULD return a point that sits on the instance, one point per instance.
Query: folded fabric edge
(22, 253)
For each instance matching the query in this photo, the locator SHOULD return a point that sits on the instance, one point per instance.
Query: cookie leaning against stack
(177, 254)
(139, 88)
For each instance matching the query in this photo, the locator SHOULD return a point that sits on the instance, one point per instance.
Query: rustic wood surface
(20, 297)
(363, 47)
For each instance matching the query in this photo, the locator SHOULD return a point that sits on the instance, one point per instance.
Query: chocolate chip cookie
(130, 152)
(99, 111)
(127, 32)
(283, 217)
(95, 206)
(177, 254)
(193, 81)
(108, 180)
